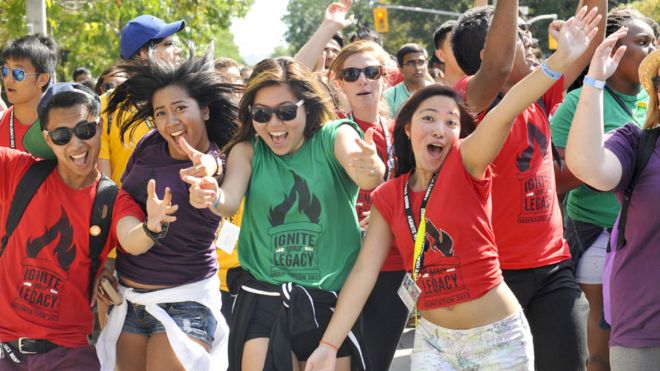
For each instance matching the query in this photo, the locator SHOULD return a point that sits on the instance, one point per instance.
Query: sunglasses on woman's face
(84, 130)
(656, 83)
(352, 74)
(285, 112)
(18, 74)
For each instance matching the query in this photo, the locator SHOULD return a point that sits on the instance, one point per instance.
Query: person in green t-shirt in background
(299, 173)
(590, 215)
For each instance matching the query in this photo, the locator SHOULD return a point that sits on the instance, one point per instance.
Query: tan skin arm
(104, 167)
(497, 57)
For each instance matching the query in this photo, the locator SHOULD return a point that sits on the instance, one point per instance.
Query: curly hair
(134, 98)
(620, 17)
(288, 72)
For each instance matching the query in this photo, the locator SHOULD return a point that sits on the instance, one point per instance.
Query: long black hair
(134, 98)
(402, 146)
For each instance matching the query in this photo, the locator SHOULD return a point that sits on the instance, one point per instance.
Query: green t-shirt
(299, 223)
(583, 204)
(395, 97)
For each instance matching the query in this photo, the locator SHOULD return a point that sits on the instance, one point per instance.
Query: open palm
(575, 35)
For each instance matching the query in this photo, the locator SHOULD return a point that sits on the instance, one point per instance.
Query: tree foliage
(88, 31)
(650, 8)
(304, 16)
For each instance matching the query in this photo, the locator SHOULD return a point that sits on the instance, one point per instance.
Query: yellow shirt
(228, 261)
(112, 149)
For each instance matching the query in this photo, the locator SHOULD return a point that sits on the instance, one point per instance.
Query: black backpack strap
(27, 187)
(645, 148)
(106, 192)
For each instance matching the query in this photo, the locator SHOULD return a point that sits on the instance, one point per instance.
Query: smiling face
(362, 93)
(76, 160)
(177, 114)
(282, 137)
(434, 128)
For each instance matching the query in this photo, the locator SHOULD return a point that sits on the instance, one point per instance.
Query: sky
(261, 30)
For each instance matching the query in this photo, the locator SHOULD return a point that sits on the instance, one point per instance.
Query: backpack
(645, 148)
(106, 192)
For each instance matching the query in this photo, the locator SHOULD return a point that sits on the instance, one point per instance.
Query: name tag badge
(409, 292)
(227, 237)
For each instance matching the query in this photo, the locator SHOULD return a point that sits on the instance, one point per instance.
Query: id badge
(409, 292)
(227, 237)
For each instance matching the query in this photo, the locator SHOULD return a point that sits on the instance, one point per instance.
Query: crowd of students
(297, 217)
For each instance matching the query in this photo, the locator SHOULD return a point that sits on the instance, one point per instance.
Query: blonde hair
(652, 113)
(363, 46)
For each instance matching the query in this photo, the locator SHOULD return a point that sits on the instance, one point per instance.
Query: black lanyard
(621, 103)
(12, 136)
(418, 254)
(388, 146)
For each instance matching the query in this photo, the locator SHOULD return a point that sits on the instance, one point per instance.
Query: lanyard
(620, 102)
(388, 146)
(12, 137)
(418, 233)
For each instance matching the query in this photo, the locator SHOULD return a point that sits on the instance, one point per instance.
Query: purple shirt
(634, 283)
(187, 253)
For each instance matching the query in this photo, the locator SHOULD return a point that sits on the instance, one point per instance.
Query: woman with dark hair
(299, 175)
(110, 78)
(470, 317)
(170, 317)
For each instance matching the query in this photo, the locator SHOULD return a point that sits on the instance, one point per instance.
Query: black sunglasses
(84, 130)
(18, 74)
(656, 82)
(352, 74)
(285, 112)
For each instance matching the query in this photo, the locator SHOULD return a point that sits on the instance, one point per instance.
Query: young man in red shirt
(28, 65)
(45, 264)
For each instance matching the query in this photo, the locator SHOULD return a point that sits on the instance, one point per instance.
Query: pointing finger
(167, 199)
(151, 189)
(187, 148)
(192, 180)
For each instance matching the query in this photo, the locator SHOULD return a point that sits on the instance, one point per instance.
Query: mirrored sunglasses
(84, 130)
(285, 112)
(18, 74)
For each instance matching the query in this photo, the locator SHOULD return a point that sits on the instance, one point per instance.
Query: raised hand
(366, 160)
(203, 164)
(203, 191)
(574, 36)
(336, 13)
(159, 211)
(604, 63)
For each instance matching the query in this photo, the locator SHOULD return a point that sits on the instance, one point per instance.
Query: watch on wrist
(153, 235)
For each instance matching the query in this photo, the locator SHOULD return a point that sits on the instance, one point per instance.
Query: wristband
(590, 81)
(329, 344)
(216, 203)
(550, 72)
(153, 235)
(219, 167)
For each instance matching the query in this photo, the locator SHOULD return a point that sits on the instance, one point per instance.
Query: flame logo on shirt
(534, 137)
(64, 250)
(308, 203)
(438, 240)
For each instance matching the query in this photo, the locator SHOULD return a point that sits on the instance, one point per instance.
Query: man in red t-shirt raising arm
(45, 272)
(496, 53)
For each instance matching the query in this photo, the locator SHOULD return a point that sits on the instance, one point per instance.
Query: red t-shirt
(394, 262)
(44, 271)
(526, 213)
(460, 261)
(19, 131)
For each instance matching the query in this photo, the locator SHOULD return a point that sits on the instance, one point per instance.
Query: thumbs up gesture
(366, 160)
(203, 164)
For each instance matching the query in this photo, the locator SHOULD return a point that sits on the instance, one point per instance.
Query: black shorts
(264, 317)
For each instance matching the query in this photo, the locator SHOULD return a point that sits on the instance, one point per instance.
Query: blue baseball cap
(143, 29)
(34, 141)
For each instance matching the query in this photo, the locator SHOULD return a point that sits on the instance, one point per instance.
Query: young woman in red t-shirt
(470, 318)
(358, 72)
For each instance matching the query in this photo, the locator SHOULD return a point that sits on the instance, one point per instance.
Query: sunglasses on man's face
(18, 74)
(285, 112)
(84, 130)
(352, 74)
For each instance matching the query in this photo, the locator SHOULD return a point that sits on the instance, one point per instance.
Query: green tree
(88, 31)
(650, 8)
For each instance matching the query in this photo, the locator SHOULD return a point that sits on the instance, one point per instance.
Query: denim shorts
(194, 319)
